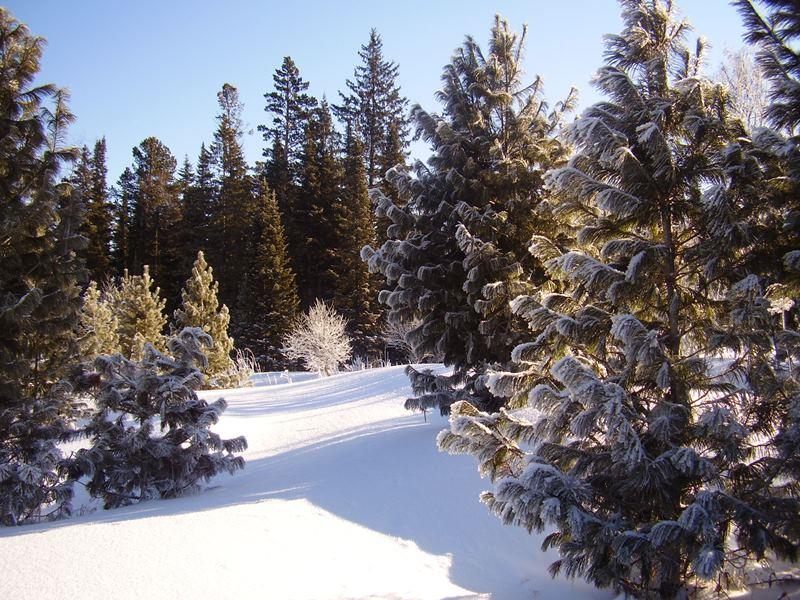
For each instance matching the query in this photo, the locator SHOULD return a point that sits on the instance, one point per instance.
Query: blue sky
(153, 67)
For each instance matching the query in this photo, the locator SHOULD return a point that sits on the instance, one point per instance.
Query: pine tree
(355, 289)
(776, 33)
(200, 308)
(39, 282)
(97, 331)
(374, 107)
(155, 231)
(656, 414)
(455, 255)
(268, 298)
(129, 460)
(234, 203)
(140, 314)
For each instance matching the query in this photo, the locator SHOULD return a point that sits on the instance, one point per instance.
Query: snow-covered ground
(344, 496)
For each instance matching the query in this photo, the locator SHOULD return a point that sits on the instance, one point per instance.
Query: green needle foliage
(659, 432)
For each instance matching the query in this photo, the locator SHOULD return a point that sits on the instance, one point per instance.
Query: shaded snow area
(344, 496)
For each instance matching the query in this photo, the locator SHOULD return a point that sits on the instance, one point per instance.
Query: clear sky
(143, 68)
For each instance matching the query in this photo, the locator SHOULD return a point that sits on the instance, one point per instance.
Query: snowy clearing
(344, 496)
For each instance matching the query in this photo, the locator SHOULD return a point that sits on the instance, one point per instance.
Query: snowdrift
(344, 496)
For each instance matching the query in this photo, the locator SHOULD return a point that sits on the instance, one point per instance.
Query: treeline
(280, 234)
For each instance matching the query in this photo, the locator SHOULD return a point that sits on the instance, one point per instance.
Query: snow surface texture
(344, 496)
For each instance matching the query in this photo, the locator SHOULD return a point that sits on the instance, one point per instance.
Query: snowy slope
(344, 496)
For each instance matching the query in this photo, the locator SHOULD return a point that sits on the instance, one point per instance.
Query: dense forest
(615, 292)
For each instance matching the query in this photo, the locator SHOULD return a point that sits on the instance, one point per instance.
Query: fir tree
(455, 254)
(140, 314)
(39, 282)
(200, 308)
(150, 436)
(268, 298)
(659, 417)
(97, 331)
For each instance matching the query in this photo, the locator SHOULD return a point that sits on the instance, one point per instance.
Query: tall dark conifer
(373, 105)
(267, 301)
(232, 210)
(155, 228)
(285, 141)
(355, 290)
(39, 281)
(124, 194)
(320, 176)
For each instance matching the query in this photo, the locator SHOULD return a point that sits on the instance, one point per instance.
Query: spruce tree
(98, 217)
(268, 301)
(140, 314)
(200, 308)
(125, 199)
(374, 107)
(290, 107)
(320, 177)
(155, 233)
(199, 201)
(97, 331)
(355, 289)
(150, 435)
(657, 428)
(232, 210)
(456, 256)
(39, 282)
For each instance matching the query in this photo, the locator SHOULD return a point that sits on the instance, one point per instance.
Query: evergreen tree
(268, 298)
(776, 33)
(290, 107)
(199, 201)
(140, 314)
(375, 107)
(234, 204)
(200, 308)
(661, 441)
(97, 228)
(455, 255)
(129, 460)
(97, 331)
(125, 200)
(314, 209)
(355, 289)
(39, 282)
(155, 227)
